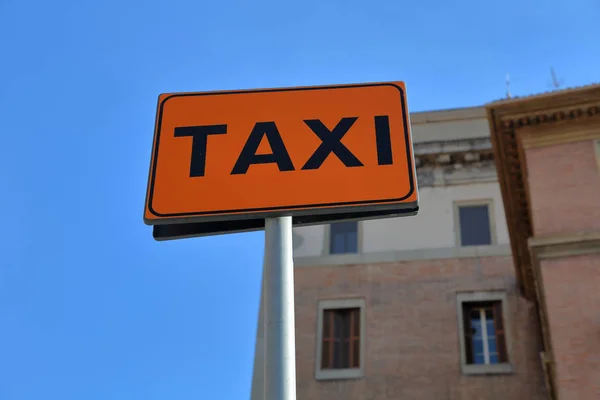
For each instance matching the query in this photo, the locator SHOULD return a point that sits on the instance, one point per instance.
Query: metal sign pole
(280, 335)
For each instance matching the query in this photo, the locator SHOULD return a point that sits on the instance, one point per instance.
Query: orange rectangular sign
(295, 151)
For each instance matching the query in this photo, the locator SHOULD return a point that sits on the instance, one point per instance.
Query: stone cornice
(449, 152)
(455, 162)
(452, 146)
(554, 113)
(546, 247)
(457, 174)
(556, 126)
(560, 133)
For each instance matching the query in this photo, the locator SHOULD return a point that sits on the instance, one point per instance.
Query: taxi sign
(304, 151)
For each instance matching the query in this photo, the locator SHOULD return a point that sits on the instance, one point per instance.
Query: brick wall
(572, 287)
(412, 342)
(564, 186)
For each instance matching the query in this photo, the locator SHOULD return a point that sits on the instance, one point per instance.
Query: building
(547, 151)
(491, 292)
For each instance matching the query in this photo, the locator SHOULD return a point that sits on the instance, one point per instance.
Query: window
(343, 237)
(340, 339)
(474, 224)
(483, 333)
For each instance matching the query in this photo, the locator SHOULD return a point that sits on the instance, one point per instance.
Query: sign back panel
(297, 151)
(164, 232)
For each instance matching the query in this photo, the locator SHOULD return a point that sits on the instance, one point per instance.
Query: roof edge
(561, 93)
(445, 115)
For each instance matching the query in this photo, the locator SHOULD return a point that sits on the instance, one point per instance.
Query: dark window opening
(474, 224)
(343, 237)
(484, 333)
(341, 339)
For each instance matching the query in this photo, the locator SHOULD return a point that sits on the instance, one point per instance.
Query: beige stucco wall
(434, 226)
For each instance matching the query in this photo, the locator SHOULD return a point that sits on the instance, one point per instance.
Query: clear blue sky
(91, 307)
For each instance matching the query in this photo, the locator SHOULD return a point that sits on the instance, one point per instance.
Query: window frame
(327, 244)
(346, 373)
(478, 297)
(491, 216)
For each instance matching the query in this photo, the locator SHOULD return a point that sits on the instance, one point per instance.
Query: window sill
(331, 374)
(491, 369)
(342, 253)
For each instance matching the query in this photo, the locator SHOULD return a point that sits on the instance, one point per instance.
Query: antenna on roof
(508, 96)
(556, 84)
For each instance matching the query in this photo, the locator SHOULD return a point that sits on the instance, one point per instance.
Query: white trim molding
(349, 373)
(502, 250)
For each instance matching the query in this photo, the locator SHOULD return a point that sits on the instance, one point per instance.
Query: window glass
(482, 333)
(474, 225)
(344, 237)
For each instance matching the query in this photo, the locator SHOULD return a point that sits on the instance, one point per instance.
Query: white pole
(280, 338)
(258, 371)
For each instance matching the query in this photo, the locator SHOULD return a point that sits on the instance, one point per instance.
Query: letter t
(199, 136)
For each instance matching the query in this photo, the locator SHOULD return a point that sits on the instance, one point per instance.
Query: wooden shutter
(327, 340)
(354, 338)
(468, 334)
(500, 334)
(340, 343)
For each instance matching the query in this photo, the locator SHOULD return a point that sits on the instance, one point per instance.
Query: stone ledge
(546, 247)
(452, 146)
(491, 369)
(404, 255)
(339, 374)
